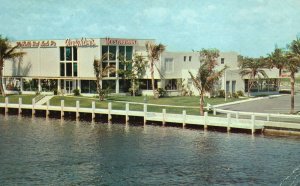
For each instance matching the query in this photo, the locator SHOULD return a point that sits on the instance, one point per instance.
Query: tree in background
(293, 66)
(100, 72)
(252, 68)
(7, 52)
(154, 51)
(207, 76)
(134, 70)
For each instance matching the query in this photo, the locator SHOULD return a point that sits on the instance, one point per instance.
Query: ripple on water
(51, 152)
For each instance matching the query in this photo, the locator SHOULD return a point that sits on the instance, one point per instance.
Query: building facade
(65, 65)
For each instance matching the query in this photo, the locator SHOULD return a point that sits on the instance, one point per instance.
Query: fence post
(109, 112)
(47, 111)
(20, 106)
(183, 118)
(127, 112)
(228, 121)
(268, 117)
(93, 109)
(205, 120)
(33, 105)
(253, 123)
(215, 111)
(145, 114)
(237, 115)
(6, 105)
(62, 105)
(77, 109)
(164, 116)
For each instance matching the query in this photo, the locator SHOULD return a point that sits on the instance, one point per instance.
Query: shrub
(240, 93)
(235, 95)
(76, 92)
(221, 94)
(55, 92)
(161, 92)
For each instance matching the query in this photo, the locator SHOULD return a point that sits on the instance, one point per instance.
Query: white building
(65, 65)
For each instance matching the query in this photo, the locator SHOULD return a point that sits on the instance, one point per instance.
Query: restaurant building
(66, 65)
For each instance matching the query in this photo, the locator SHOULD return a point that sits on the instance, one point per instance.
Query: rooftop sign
(36, 44)
(83, 42)
(109, 41)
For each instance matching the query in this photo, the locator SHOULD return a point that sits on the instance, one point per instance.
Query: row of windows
(68, 53)
(185, 58)
(68, 69)
(123, 51)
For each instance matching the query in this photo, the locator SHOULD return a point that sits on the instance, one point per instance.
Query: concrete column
(47, 111)
(77, 108)
(205, 120)
(21, 87)
(6, 105)
(228, 121)
(20, 105)
(253, 123)
(33, 105)
(62, 105)
(164, 117)
(117, 86)
(127, 112)
(145, 114)
(59, 85)
(79, 85)
(109, 112)
(183, 118)
(39, 85)
(93, 110)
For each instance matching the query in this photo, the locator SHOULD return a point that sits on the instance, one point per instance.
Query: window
(190, 58)
(88, 86)
(227, 86)
(184, 58)
(68, 61)
(169, 65)
(129, 52)
(62, 69)
(222, 60)
(233, 84)
(68, 69)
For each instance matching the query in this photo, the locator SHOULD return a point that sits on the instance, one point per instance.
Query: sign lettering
(36, 44)
(120, 41)
(83, 42)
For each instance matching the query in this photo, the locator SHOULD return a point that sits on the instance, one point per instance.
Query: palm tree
(277, 59)
(134, 70)
(7, 52)
(154, 51)
(207, 76)
(293, 66)
(252, 68)
(100, 72)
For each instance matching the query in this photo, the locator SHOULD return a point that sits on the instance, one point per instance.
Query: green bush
(55, 92)
(76, 92)
(235, 95)
(240, 93)
(161, 92)
(221, 94)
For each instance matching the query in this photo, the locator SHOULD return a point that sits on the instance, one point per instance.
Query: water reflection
(35, 151)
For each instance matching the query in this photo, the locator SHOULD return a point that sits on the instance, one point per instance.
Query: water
(34, 151)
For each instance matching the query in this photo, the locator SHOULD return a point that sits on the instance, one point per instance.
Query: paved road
(269, 105)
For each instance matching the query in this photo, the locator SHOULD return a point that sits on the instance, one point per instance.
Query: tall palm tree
(100, 72)
(154, 51)
(293, 66)
(277, 59)
(207, 76)
(252, 68)
(7, 52)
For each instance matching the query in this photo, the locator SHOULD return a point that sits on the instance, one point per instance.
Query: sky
(249, 27)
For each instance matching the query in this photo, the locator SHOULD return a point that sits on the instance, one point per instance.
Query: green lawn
(26, 99)
(118, 102)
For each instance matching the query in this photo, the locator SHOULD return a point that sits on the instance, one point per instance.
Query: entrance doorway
(69, 86)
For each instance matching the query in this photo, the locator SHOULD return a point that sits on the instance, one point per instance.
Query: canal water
(36, 151)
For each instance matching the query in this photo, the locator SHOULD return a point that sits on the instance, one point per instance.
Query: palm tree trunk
(279, 80)
(292, 93)
(1, 84)
(152, 79)
(133, 87)
(249, 88)
(201, 103)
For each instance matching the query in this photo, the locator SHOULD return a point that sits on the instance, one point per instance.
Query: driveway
(276, 105)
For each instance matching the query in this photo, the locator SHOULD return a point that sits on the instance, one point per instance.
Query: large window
(68, 61)
(30, 84)
(169, 65)
(88, 86)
